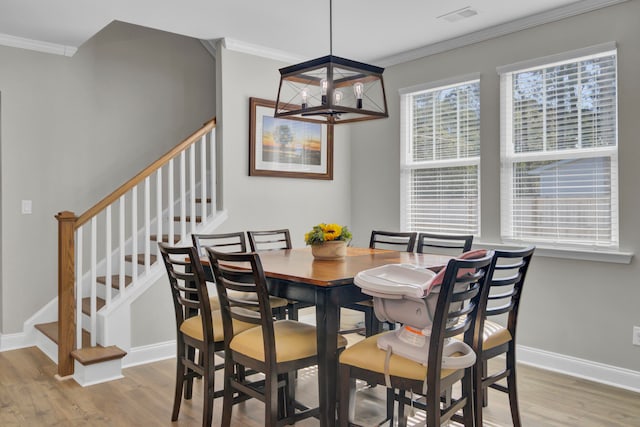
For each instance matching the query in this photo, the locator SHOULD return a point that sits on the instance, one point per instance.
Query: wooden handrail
(124, 188)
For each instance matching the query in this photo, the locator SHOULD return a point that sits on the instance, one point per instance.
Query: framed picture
(293, 148)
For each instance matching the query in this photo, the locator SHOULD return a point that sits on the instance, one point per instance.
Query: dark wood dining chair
(449, 244)
(505, 292)
(395, 240)
(398, 241)
(234, 242)
(197, 326)
(461, 292)
(277, 349)
(270, 240)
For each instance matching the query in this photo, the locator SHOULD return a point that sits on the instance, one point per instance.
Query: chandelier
(333, 90)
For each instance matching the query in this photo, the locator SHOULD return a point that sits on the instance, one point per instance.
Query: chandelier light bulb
(358, 90)
(337, 97)
(324, 85)
(304, 95)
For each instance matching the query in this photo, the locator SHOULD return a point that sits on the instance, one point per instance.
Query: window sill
(603, 255)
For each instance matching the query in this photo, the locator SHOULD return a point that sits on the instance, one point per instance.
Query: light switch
(26, 207)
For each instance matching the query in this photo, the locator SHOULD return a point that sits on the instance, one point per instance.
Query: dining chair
(505, 293)
(234, 242)
(456, 313)
(270, 240)
(277, 349)
(400, 241)
(449, 244)
(197, 326)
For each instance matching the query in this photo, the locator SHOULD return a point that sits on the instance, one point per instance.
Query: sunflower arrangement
(326, 233)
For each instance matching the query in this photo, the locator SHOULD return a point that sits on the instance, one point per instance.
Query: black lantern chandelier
(332, 89)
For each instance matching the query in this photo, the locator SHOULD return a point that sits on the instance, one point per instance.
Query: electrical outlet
(27, 207)
(636, 335)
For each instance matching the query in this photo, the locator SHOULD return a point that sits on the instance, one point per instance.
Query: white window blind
(559, 152)
(440, 163)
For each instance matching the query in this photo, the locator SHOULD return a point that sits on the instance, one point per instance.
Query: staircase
(108, 256)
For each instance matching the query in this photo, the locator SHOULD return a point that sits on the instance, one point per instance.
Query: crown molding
(210, 45)
(553, 15)
(37, 45)
(257, 50)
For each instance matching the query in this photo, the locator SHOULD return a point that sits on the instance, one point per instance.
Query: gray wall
(252, 203)
(256, 203)
(74, 129)
(577, 308)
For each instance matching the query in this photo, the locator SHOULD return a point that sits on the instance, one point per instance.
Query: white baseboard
(555, 362)
(581, 368)
(149, 353)
(16, 341)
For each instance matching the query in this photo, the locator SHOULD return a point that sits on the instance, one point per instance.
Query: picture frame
(290, 148)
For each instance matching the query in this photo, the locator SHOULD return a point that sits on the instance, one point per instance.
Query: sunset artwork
(291, 141)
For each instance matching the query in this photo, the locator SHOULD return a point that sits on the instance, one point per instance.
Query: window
(440, 164)
(559, 151)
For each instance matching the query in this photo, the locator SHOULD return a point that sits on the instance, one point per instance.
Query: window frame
(508, 156)
(407, 164)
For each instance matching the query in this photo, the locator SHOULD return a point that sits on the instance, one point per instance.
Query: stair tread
(86, 305)
(129, 258)
(50, 330)
(165, 238)
(115, 280)
(187, 218)
(92, 355)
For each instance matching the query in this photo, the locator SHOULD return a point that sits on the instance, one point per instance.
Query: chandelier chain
(330, 27)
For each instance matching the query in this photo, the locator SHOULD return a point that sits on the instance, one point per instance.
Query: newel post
(66, 292)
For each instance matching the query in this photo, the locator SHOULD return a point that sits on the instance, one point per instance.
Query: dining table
(329, 285)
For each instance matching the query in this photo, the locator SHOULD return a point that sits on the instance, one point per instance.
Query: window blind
(559, 152)
(441, 159)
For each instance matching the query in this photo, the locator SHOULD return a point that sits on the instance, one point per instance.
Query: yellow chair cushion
(276, 302)
(294, 341)
(366, 355)
(494, 335)
(193, 327)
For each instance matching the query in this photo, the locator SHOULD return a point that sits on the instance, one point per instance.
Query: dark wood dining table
(328, 284)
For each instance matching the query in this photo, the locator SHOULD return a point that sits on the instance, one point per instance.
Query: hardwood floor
(31, 396)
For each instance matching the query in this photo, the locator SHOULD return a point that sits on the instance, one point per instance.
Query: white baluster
(107, 273)
(79, 259)
(134, 233)
(171, 202)
(212, 169)
(121, 251)
(93, 282)
(183, 197)
(159, 209)
(147, 224)
(203, 177)
(192, 186)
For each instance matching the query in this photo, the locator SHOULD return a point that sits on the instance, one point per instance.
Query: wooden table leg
(327, 315)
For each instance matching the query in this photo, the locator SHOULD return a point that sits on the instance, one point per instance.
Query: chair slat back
(188, 286)
(222, 242)
(269, 240)
(399, 241)
(449, 244)
(506, 284)
(243, 272)
(463, 291)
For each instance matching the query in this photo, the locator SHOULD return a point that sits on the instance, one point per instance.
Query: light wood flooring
(31, 396)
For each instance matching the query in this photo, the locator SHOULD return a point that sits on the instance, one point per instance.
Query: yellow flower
(332, 231)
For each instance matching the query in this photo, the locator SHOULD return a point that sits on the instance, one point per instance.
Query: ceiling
(364, 30)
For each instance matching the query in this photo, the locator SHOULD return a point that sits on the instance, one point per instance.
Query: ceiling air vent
(456, 15)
